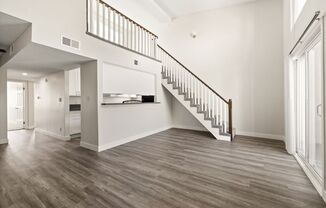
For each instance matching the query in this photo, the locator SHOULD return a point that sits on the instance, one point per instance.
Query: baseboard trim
(51, 134)
(190, 128)
(130, 139)
(74, 136)
(261, 135)
(3, 141)
(316, 183)
(89, 146)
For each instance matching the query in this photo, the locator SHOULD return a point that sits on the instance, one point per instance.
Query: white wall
(123, 123)
(3, 108)
(118, 79)
(183, 119)
(238, 52)
(49, 110)
(106, 126)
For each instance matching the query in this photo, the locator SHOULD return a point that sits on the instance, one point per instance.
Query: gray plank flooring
(174, 168)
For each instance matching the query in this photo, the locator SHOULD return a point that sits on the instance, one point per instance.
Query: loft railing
(216, 108)
(108, 24)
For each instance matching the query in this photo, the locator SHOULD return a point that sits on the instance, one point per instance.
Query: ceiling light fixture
(24, 74)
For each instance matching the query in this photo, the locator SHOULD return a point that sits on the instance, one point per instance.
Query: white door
(15, 105)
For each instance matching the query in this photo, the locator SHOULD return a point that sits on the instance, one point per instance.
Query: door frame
(25, 104)
(316, 34)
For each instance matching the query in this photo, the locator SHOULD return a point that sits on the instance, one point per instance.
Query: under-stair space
(212, 110)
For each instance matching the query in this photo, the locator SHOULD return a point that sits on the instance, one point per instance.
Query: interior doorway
(16, 105)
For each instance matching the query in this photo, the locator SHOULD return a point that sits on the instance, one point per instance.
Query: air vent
(70, 42)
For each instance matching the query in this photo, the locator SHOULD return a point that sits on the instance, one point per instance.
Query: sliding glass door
(309, 106)
(315, 108)
(301, 106)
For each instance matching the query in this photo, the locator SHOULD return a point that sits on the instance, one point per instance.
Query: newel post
(230, 119)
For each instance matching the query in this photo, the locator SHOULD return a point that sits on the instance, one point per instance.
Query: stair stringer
(193, 110)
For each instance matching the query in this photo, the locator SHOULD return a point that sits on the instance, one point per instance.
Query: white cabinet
(75, 122)
(74, 82)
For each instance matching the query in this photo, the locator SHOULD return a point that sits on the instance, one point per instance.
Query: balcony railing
(110, 25)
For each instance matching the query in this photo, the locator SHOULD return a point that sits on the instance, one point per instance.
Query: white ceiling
(38, 61)
(178, 8)
(10, 29)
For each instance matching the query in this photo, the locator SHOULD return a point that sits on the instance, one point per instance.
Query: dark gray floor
(175, 168)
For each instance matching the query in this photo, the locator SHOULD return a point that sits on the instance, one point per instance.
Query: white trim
(315, 182)
(74, 136)
(51, 134)
(89, 146)
(30, 128)
(3, 141)
(130, 139)
(195, 128)
(262, 135)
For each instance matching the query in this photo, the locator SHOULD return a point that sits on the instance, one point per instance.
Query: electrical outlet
(136, 62)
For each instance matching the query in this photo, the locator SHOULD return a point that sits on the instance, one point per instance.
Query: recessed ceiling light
(24, 74)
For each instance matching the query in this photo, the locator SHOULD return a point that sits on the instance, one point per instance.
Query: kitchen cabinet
(75, 122)
(74, 82)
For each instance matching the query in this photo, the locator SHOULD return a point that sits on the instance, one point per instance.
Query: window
(296, 7)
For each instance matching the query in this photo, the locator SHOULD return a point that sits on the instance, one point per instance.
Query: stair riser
(196, 107)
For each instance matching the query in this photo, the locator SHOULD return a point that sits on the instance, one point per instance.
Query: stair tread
(185, 94)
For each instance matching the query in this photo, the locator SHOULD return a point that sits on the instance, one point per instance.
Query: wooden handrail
(194, 75)
(117, 11)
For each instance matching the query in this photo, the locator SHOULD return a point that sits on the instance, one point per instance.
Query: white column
(3, 109)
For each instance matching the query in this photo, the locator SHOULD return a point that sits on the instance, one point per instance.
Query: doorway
(309, 115)
(16, 105)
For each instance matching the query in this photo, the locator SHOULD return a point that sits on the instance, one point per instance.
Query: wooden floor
(175, 168)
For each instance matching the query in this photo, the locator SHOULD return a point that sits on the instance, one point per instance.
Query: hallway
(174, 168)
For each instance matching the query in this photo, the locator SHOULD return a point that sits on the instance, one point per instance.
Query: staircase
(207, 106)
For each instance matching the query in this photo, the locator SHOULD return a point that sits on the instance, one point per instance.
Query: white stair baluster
(109, 24)
(103, 22)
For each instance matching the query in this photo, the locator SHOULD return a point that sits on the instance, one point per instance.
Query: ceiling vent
(70, 42)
